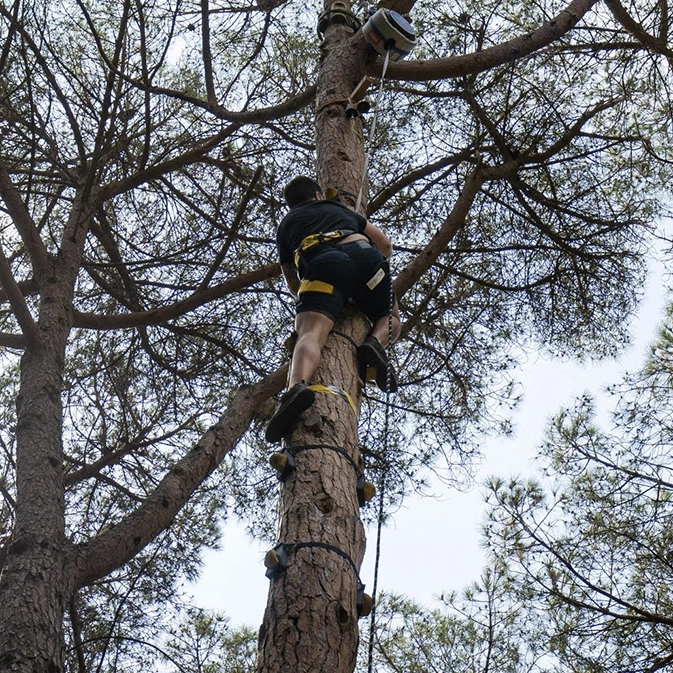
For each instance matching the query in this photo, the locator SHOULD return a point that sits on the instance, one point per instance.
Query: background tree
(142, 320)
(590, 546)
(483, 629)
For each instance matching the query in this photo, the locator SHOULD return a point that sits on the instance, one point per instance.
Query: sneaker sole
(370, 356)
(286, 416)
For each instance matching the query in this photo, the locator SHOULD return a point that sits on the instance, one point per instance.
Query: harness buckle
(316, 239)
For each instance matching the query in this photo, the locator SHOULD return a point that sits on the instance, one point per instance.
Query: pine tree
(588, 545)
(516, 167)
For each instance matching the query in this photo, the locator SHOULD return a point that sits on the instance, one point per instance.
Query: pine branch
(467, 64)
(118, 544)
(160, 315)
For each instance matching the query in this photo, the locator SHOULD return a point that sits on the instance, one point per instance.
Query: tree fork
(310, 623)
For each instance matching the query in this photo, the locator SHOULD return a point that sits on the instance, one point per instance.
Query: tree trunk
(36, 579)
(310, 623)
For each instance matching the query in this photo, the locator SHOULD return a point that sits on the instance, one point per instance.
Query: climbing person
(330, 255)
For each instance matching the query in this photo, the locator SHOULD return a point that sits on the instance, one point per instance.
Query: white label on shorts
(376, 279)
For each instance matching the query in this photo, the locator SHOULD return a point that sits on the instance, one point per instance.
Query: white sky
(432, 545)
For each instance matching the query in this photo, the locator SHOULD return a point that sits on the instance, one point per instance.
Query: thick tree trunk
(310, 623)
(35, 579)
(34, 584)
(340, 151)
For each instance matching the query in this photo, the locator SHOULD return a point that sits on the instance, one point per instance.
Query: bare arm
(379, 239)
(291, 278)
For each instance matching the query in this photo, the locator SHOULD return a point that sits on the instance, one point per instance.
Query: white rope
(372, 132)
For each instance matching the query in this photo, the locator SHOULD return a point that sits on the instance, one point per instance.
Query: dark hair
(300, 189)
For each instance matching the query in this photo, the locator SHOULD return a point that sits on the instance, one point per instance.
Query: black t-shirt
(314, 217)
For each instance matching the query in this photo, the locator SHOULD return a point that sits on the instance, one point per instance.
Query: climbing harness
(314, 240)
(317, 239)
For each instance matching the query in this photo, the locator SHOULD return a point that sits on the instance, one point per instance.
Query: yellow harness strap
(319, 388)
(316, 239)
(315, 286)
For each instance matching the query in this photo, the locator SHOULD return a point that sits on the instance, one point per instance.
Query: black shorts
(335, 273)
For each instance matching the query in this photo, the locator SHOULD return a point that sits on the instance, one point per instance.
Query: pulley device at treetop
(391, 36)
(387, 31)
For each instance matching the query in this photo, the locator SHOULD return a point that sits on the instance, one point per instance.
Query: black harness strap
(345, 336)
(294, 450)
(328, 547)
(281, 561)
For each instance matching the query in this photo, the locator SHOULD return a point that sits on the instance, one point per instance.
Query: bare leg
(312, 332)
(381, 327)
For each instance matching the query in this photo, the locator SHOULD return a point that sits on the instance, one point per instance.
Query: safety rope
(372, 132)
(382, 484)
(386, 425)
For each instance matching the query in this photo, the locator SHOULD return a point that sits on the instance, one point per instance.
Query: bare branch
(207, 54)
(53, 81)
(650, 42)
(23, 222)
(106, 105)
(437, 245)
(27, 287)
(18, 302)
(573, 131)
(8, 340)
(232, 233)
(160, 315)
(291, 105)
(123, 541)
(77, 633)
(466, 64)
(9, 38)
(412, 176)
(153, 172)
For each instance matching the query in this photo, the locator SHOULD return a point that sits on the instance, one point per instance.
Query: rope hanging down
(385, 19)
(372, 132)
(407, 39)
(381, 487)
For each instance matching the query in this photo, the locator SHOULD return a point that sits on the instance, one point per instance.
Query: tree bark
(33, 585)
(310, 623)
(36, 582)
(37, 577)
